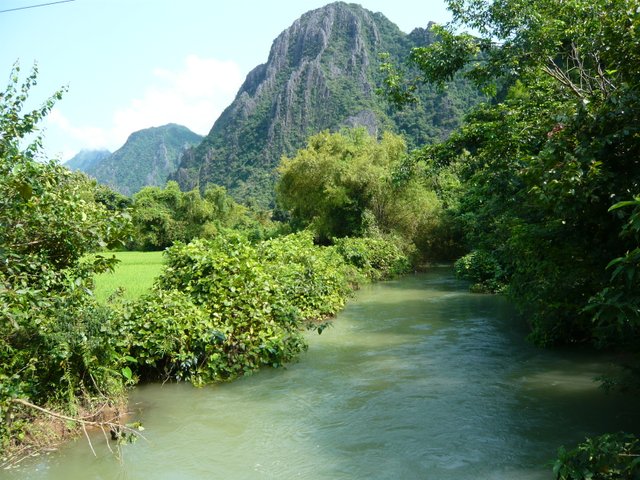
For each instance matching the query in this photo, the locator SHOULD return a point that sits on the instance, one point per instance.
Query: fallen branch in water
(118, 431)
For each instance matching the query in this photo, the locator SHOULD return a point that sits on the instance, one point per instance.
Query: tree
(336, 179)
(350, 184)
(55, 342)
(543, 162)
(163, 216)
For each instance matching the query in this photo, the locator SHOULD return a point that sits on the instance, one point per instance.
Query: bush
(224, 307)
(481, 268)
(57, 347)
(167, 334)
(376, 258)
(608, 457)
(312, 280)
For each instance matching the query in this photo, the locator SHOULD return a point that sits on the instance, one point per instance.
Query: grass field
(135, 274)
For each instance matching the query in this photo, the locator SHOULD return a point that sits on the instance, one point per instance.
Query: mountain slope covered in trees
(322, 73)
(147, 158)
(87, 159)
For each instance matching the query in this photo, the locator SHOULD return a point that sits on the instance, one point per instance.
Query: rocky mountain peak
(322, 73)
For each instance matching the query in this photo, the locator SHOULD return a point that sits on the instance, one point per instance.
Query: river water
(416, 379)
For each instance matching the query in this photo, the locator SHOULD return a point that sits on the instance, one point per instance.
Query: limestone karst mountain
(322, 73)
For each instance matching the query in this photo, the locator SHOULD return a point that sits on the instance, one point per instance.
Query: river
(416, 379)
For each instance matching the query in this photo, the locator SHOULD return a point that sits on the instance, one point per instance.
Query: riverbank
(48, 430)
(416, 378)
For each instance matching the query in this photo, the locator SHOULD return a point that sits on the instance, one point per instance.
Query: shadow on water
(417, 378)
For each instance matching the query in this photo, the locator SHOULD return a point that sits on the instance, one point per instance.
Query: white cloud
(194, 96)
(93, 137)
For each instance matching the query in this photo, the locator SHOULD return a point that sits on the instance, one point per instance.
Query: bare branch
(115, 426)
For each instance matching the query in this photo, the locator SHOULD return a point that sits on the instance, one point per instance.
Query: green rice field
(135, 274)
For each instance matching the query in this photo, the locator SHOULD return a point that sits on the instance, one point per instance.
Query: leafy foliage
(230, 311)
(225, 307)
(541, 165)
(313, 282)
(349, 184)
(610, 456)
(481, 268)
(336, 179)
(376, 258)
(616, 307)
(54, 341)
(163, 216)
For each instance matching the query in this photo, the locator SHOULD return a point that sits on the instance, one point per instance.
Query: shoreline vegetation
(293, 285)
(132, 277)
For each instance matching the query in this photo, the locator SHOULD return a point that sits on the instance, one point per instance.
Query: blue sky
(133, 64)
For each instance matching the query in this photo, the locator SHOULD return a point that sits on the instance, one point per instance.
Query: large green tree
(351, 184)
(543, 163)
(163, 216)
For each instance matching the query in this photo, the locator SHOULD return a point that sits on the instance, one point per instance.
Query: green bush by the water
(57, 347)
(376, 258)
(225, 307)
(481, 268)
(607, 457)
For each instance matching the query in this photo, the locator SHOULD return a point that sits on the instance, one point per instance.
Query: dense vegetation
(55, 341)
(545, 166)
(536, 193)
(349, 184)
(163, 216)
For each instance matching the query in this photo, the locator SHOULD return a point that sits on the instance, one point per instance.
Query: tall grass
(135, 274)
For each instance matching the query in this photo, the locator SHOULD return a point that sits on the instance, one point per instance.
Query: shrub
(312, 280)
(610, 456)
(214, 314)
(57, 347)
(481, 268)
(376, 258)
(225, 307)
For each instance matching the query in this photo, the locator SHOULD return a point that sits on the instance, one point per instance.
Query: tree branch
(113, 426)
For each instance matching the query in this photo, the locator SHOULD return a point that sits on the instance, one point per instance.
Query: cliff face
(322, 73)
(148, 157)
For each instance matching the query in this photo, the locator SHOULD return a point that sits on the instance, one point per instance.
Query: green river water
(416, 379)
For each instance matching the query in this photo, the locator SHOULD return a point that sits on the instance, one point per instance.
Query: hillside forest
(534, 196)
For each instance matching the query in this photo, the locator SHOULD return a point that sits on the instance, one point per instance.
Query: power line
(34, 6)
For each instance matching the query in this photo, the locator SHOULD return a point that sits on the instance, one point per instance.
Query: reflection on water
(416, 379)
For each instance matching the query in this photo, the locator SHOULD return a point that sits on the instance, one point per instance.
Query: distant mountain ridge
(148, 157)
(322, 73)
(86, 159)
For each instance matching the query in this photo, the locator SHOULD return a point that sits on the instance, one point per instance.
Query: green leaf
(127, 373)
(25, 190)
